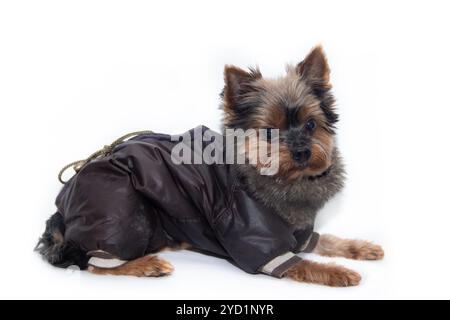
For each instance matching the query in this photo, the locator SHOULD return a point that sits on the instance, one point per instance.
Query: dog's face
(299, 104)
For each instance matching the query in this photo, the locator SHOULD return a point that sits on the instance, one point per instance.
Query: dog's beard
(279, 163)
(320, 159)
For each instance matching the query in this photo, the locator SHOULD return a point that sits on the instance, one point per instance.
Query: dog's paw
(148, 266)
(333, 246)
(153, 267)
(326, 274)
(343, 277)
(364, 250)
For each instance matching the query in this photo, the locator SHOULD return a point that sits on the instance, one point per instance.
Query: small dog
(300, 106)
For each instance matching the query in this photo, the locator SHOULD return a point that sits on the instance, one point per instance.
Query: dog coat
(136, 201)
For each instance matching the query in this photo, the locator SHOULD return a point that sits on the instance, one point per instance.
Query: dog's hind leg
(332, 246)
(147, 266)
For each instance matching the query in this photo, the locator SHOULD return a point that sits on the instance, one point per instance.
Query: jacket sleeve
(256, 239)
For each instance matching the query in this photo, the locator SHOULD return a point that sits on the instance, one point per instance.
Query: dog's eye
(310, 125)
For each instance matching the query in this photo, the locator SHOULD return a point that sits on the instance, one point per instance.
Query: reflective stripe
(101, 254)
(106, 263)
(269, 267)
(312, 242)
(305, 245)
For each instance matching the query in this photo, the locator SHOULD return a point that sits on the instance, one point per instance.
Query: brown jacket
(136, 201)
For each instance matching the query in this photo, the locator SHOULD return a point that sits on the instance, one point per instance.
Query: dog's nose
(302, 156)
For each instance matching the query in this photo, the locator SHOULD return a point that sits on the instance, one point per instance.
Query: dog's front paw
(326, 274)
(364, 250)
(343, 277)
(333, 246)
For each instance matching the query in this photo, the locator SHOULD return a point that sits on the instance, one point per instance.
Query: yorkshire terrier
(300, 105)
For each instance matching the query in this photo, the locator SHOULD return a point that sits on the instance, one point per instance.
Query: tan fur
(322, 145)
(271, 95)
(332, 246)
(311, 111)
(235, 78)
(147, 266)
(288, 168)
(326, 274)
(315, 67)
(181, 246)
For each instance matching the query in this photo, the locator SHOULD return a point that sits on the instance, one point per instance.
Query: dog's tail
(55, 249)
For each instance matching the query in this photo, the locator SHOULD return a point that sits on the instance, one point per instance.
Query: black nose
(301, 156)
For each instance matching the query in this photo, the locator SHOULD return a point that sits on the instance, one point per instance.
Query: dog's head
(299, 104)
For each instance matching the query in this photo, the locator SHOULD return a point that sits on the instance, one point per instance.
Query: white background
(76, 75)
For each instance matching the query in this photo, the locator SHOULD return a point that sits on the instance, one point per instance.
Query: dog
(118, 211)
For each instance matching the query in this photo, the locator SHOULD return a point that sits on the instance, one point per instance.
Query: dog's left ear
(314, 69)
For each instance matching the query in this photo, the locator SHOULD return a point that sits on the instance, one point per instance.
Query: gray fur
(299, 201)
(250, 101)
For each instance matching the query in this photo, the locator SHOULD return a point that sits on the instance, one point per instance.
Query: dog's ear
(314, 69)
(238, 82)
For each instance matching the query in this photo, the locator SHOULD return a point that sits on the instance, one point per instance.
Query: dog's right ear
(237, 83)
